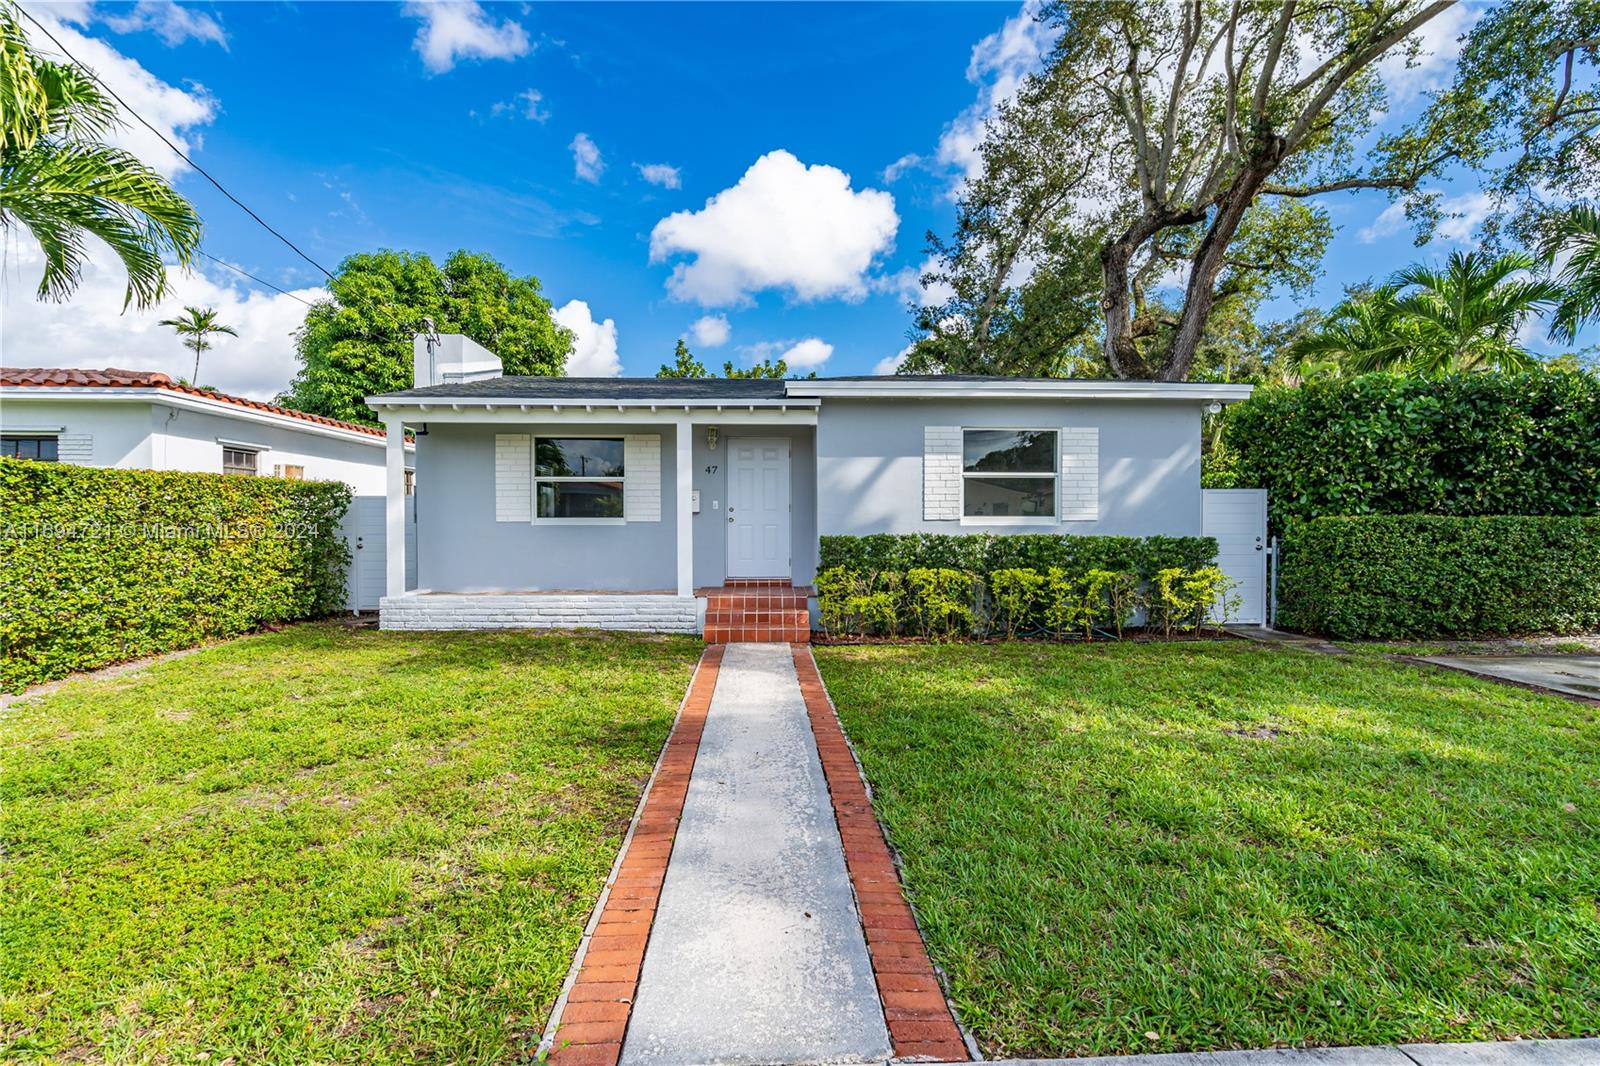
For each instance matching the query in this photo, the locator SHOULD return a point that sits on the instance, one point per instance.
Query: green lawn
(1196, 846)
(321, 845)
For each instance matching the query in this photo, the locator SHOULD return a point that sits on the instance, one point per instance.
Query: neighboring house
(610, 501)
(146, 421)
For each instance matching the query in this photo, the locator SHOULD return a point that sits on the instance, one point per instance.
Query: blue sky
(770, 166)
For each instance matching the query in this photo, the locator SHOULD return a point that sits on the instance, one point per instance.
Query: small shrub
(1016, 594)
(985, 553)
(941, 600)
(1183, 599)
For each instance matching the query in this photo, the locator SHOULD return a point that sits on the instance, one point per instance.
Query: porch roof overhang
(956, 386)
(594, 411)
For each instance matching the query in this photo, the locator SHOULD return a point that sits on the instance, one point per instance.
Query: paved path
(756, 954)
(1499, 1053)
(1575, 675)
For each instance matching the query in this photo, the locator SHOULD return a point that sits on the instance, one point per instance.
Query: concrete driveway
(1574, 675)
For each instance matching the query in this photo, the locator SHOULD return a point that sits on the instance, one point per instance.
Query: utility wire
(252, 277)
(203, 172)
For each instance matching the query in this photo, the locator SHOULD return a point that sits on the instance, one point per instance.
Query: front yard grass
(1126, 847)
(320, 845)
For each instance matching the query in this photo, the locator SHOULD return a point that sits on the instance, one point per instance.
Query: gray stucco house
(610, 501)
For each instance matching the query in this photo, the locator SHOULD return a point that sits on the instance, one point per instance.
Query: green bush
(985, 553)
(942, 603)
(98, 566)
(1386, 576)
(1468, 444)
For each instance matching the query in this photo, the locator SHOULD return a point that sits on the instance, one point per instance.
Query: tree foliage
(359, 342)
(1169, 164)
(195, 326)
(1573, 235)
(66, 187)
(683, 365)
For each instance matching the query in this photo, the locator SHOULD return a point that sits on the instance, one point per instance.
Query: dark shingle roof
(605, 389)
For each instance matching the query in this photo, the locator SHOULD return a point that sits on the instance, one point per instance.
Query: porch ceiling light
(711, 438)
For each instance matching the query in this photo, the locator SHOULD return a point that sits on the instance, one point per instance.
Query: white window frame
(533, 467)
(254, 453)
(1054, 475)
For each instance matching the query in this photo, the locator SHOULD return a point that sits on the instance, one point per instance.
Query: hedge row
(1468, 444)
(985, 553)
(98, 566)
(1386, 576)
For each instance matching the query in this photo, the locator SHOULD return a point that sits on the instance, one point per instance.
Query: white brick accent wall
(941, 473)
(513, 477)
(641, 487)
(638, 613)
(75, 448)
(1080, 473)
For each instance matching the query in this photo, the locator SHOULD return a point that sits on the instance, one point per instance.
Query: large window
(578, 478)
(239, 461)
(30, 448)
(1009, 474)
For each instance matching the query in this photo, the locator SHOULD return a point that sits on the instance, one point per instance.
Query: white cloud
(594, 344)
(892, 363)
(586, 161)
(783, 225)
(91, 331)
(1440, 40)
(710, 331)
(808, 354)
(173, 23)
(528, 103)
(892, 172)
(668, 177)
(1460, 217)
(452, 31)
(175, 112)
(999, 64)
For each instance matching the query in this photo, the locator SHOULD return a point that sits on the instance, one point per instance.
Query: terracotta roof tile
(112, 378)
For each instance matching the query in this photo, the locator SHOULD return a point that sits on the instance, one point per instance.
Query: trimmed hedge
(985, 553)
(99, 566)
(1385, 576)
(1467, 444)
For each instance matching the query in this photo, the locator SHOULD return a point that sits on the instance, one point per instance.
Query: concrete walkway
(756, 954)
(1572, 675)
(1499, 1053)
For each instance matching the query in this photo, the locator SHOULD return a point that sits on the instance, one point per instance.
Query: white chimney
(450, 358)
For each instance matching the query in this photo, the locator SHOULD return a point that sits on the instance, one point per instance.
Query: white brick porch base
(657, 613)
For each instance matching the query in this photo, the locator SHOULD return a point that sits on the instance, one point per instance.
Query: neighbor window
(238, 461)
(29, 448)
(577, 477)
(290, 472)
(1008, 473)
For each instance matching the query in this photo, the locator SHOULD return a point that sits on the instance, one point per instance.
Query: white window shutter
(941, 473)
(75, 448)
(641, 468)
(513, 477)
(1080, 473)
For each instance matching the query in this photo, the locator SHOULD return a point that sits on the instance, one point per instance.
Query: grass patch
(1199, 846)
(320, 845)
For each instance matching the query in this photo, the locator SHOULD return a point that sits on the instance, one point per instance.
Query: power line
(179, 152)
(252, 277)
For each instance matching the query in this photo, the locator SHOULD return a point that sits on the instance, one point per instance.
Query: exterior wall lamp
(711, 438)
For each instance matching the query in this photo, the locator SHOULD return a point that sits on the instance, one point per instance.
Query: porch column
(684, 434)
(394, 491)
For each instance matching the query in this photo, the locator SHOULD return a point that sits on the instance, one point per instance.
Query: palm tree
(62, 184)
(1467, 315)
(1575, 233)
(194, 326)
(1362, 333)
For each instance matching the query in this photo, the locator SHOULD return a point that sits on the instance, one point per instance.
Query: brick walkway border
(588, 1023)
(921, 1024)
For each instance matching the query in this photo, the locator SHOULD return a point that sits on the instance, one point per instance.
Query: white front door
(1238, 519)
(758, 507)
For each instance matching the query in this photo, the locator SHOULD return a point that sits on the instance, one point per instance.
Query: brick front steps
(763, 611)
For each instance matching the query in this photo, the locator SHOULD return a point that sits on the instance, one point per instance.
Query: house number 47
(712, 469)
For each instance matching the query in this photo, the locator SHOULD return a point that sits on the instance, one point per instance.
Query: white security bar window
(1009, 474)
(239, 461)
(578, 478)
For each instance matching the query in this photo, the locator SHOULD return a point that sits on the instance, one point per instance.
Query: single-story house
(550, 501)
(146, 421)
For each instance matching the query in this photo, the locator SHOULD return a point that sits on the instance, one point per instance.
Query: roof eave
(908, 388)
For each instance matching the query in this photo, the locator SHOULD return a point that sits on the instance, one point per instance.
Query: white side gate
(1238, 519)
(364, 530)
